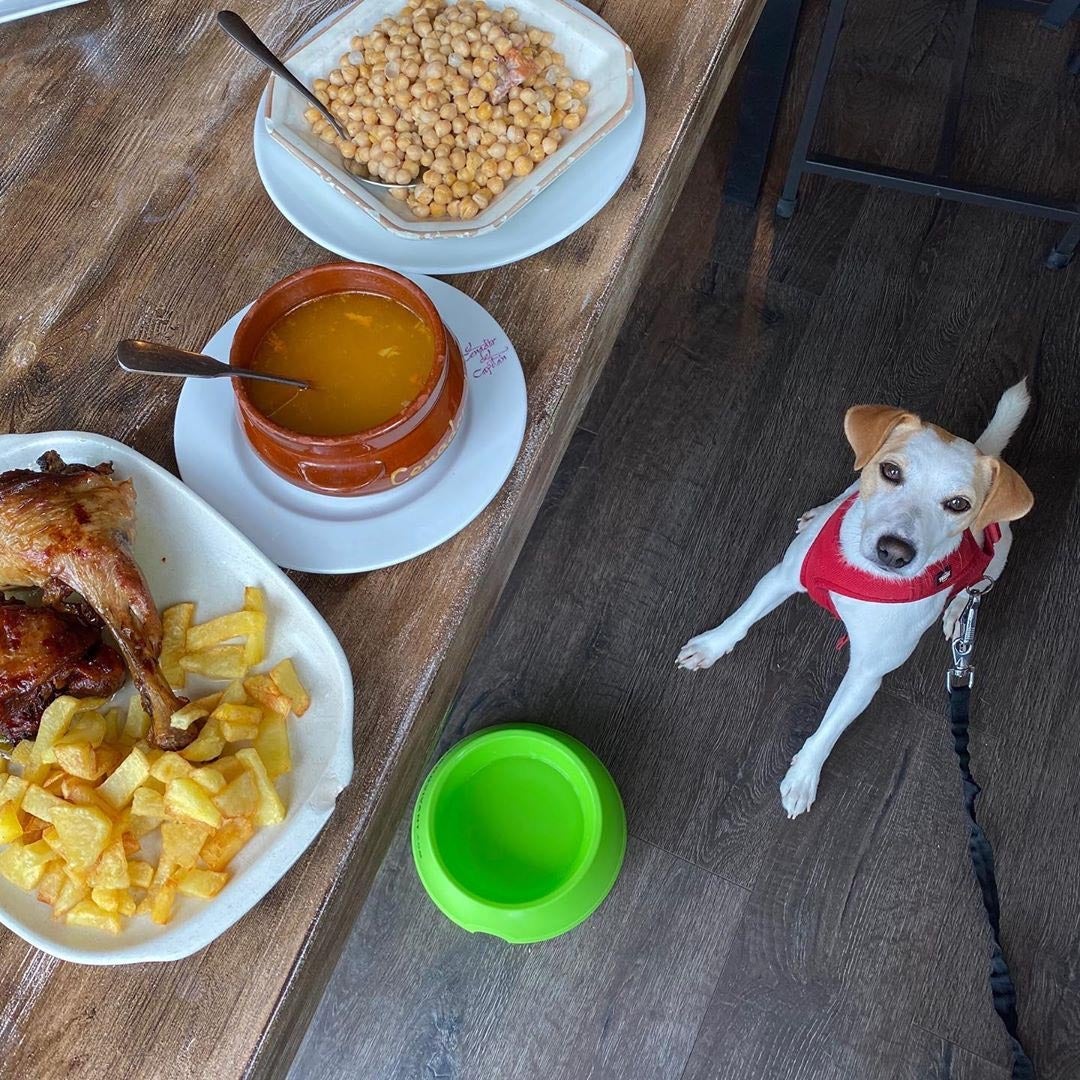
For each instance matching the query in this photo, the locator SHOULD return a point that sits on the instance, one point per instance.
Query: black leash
(959, 681)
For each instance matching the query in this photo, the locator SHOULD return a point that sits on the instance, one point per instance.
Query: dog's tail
(1006, 419)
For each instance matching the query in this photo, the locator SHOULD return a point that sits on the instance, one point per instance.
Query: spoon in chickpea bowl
(243, 35)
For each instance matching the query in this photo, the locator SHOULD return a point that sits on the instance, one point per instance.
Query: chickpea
(481, 198)
(506, 169)
(495, 185)
(420, 210)
(469, 209)
(523, 166)
(572, 121)
(442, 195)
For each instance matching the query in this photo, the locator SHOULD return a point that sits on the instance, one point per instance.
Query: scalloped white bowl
(592, 49)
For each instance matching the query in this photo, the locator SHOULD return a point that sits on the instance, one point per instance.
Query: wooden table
(130, 206)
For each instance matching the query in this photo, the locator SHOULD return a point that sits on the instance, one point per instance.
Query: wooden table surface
(130, 207)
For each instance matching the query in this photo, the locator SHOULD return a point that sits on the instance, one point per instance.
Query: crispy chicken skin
(68, 529)
(44, 653)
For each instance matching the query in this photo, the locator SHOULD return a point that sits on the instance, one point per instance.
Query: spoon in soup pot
(150, 358)
(242, 34)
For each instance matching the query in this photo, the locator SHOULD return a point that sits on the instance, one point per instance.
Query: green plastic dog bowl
(519, 832)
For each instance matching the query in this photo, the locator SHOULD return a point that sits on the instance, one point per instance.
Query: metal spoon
(150, 358)
(240, 32)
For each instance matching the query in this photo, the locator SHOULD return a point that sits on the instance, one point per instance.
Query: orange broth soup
(367, 358)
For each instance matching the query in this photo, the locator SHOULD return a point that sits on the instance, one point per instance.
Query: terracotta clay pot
(381, 457)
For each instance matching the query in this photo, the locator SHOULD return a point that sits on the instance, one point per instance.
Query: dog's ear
(1007, 498)
(868, 426)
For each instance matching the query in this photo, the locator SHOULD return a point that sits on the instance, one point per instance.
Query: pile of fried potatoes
(81, 803)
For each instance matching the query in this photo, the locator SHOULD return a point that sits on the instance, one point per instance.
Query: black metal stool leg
(1063, 251)
(767, 59)
(831, 34)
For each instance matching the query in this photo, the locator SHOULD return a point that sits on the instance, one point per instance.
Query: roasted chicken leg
(67, 529)
(44, 653)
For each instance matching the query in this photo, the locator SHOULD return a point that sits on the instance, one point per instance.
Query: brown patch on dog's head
(869, 427)
(945, 436)
(1006, 497)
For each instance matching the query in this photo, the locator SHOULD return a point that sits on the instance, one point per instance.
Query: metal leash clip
(962, 674)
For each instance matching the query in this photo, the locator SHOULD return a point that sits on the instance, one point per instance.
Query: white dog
(927, 518)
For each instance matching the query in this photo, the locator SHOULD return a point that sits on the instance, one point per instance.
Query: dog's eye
(892, 472)
(957, 505)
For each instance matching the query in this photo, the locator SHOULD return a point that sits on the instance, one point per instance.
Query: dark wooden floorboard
(622, 996)
(738, 945)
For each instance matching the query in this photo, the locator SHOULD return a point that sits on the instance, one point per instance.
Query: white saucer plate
(325, 534)
(10, 10)
(330, 219)
(189, 552)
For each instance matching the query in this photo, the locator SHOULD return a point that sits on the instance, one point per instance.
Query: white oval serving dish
(188, 551)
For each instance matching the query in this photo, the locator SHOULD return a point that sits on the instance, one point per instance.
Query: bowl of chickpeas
(469, 109)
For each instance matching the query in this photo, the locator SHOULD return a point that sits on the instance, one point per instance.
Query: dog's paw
(803, 522)
(799, 788)
(953, 610)
(704, 650)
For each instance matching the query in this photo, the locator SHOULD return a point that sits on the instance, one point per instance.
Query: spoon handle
(150, 358)
(240, 32)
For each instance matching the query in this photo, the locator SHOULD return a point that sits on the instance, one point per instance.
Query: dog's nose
(894, 552)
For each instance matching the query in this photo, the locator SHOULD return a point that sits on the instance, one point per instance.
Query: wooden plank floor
(737, 944)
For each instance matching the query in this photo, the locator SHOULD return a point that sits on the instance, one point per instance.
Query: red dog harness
(826, 571)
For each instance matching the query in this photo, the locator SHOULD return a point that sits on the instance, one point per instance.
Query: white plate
(326, 534)
(21, 9)
(328, 218)
(188, 552)
(593, 52)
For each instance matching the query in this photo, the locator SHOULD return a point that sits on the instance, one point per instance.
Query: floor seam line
(748, 889)
(959, 1046)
